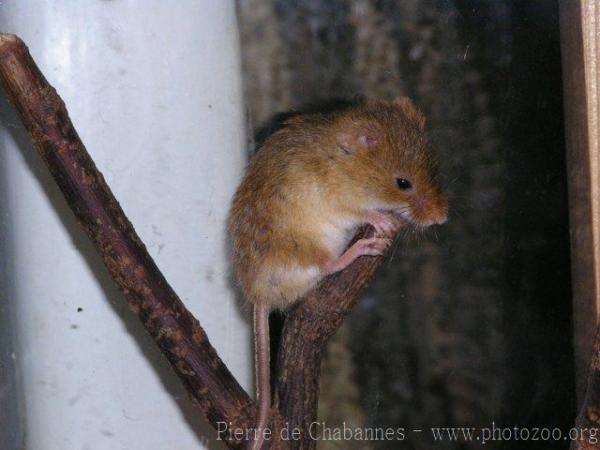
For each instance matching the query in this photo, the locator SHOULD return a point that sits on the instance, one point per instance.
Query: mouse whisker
(393, 252)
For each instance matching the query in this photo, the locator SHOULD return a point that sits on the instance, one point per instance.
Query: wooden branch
(582, 156)
(175, 330)
(306, 331)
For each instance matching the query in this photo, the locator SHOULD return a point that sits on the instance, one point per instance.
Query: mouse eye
(403, 184)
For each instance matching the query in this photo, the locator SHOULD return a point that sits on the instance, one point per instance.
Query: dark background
(470, 324)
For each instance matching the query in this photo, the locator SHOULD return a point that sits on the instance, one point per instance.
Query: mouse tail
(263, 372)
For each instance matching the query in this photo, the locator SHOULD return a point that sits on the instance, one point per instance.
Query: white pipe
(154, 90)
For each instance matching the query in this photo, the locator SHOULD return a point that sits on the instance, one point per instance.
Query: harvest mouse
(312, 184)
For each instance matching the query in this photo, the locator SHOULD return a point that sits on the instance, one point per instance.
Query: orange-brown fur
(315, 181)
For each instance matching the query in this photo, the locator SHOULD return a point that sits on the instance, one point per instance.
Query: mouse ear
(410, 111)
(351, 144)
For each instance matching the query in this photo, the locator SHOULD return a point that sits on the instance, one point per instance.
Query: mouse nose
(442, 219)
(437, 218)
(442, 211)
(432, 211)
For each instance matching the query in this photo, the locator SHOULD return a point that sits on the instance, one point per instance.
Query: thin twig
(178, 334)
(306, 331)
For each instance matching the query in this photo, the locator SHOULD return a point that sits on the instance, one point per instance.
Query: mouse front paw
(373, 246)
(384, 224)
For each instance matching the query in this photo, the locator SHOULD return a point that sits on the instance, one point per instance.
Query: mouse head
(383, 147)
